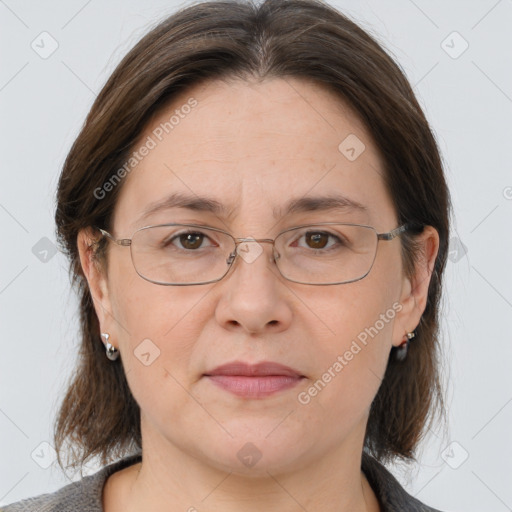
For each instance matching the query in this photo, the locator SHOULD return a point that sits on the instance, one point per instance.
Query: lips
(254, 380)
(254, 370)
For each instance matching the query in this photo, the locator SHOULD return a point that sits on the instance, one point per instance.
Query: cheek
(362, 311)
(158, 346)
(143, 309)
(349, 374)
(156, 327)
(352, 353)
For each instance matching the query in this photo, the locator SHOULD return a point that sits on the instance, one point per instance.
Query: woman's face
(253, 148)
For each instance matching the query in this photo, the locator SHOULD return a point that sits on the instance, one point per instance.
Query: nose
(253, 296)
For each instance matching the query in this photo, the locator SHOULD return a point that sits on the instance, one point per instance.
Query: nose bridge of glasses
(239, 241)
(261, 240)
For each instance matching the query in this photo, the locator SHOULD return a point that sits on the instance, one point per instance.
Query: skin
(252, 146)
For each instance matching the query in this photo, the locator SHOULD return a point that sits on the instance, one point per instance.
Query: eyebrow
(331, 202)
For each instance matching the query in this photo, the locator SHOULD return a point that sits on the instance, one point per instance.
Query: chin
(256, 452)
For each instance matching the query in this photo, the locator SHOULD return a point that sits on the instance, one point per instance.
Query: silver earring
(401, 350)
(112, 352)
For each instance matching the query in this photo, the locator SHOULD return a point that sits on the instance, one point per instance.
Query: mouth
(254, 381)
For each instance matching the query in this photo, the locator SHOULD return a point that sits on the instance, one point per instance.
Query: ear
(96, 278)
(414, 291)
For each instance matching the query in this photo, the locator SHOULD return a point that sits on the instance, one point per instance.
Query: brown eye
(316, 239)
(321, 241)
(191, 240)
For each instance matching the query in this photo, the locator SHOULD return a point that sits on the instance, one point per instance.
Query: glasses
(327, 253)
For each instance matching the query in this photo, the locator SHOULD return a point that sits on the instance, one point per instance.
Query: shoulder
(84, 495)
(391, 495)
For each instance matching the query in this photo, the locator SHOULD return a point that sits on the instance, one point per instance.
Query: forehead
(251, 146)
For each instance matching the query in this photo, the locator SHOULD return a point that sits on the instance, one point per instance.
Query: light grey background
(467, 97)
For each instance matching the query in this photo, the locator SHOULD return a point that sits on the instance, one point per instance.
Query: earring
(401, 350)
(112, 352)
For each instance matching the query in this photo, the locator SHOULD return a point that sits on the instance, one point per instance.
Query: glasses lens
(326, 254)
(181, 254)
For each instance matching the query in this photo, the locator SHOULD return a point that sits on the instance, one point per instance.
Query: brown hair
(240, 39)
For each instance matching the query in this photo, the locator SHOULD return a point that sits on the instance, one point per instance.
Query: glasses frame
(125, 242)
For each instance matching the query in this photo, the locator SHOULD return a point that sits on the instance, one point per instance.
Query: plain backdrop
(456, 54)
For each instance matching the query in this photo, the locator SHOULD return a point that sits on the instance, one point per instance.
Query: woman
(257, 219)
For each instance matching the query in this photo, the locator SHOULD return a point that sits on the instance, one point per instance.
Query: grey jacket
(85, 495)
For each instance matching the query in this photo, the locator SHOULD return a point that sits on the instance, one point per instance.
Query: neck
(234, 493)
(175, 480)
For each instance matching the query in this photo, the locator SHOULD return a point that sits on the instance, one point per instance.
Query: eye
(190, 240)
(319, 240)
